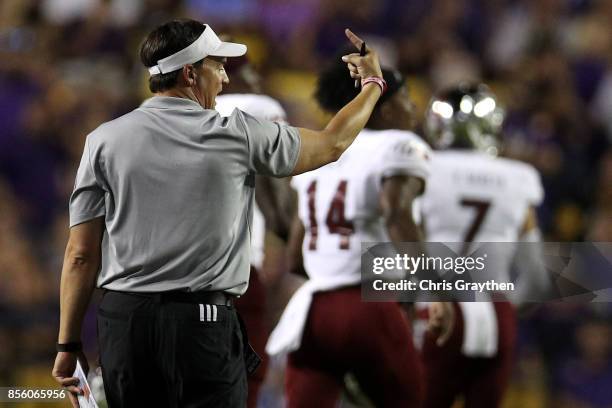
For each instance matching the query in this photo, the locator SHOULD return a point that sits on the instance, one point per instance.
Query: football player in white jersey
(366, 196)
(244, 93)
(474, 196)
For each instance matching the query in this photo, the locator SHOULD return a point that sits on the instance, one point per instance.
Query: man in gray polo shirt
(160, 219)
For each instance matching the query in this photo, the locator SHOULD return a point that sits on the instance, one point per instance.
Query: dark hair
(336, 88)
(164, 41)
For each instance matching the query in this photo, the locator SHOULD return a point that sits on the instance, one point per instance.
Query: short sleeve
(87, 199)
(296, 182)
(405, 157)
(532, 185)
(274, 112)
(301, 181)
(273, 147)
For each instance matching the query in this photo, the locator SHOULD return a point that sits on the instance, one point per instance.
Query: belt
(208, 297)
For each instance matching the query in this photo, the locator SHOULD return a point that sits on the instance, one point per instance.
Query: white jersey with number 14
(339, 203)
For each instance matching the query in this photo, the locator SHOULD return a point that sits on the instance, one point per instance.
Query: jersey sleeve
(296, 182)
(273, 111)
(273, 147)
(224, 105)
(404, 157)
(260, 106)
(88, 197)
(532, 186)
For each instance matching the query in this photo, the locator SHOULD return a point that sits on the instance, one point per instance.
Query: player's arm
(81, 265)
(294, 247)
(530, 229)
(534, 283)
(325, 146)
(396, 201)
(268, 201)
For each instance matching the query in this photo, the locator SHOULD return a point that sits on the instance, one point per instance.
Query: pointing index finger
(357, 42)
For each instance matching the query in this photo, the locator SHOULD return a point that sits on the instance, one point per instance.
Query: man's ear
(189, 75)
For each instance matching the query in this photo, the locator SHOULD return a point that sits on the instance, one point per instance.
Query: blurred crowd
(68, 65)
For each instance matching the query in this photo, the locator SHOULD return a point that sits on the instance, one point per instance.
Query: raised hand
(361, 67)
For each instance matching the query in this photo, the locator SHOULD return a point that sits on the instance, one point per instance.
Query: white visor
(207, 44)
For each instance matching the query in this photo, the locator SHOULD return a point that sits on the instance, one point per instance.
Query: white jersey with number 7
(472, 197)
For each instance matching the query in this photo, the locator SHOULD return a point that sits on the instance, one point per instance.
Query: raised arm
(319, 148)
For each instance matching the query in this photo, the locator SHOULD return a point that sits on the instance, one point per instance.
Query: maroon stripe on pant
(371, 340)
(481, 381)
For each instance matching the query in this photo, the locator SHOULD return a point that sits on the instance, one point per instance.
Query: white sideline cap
(207, 44)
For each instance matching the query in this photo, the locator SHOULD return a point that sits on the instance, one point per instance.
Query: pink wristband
(378, 80)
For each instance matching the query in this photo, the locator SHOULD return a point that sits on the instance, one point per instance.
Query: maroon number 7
(335, 220)
(481, 207)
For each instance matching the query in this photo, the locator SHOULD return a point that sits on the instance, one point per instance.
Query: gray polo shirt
(175, 184)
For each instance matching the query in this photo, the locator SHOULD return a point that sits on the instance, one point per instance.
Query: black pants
(166, 354)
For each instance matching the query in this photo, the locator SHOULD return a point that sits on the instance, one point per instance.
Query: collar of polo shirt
(207, 44)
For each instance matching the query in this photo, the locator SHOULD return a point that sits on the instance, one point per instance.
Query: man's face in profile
(210, 80)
